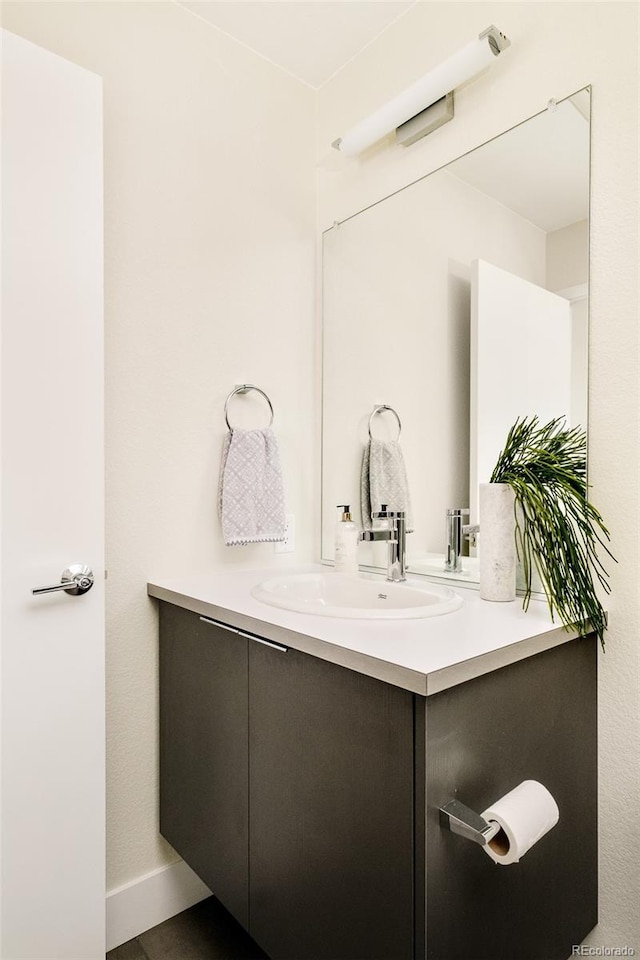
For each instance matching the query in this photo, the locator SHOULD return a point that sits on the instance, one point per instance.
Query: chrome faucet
(395, 537)
(456, 532)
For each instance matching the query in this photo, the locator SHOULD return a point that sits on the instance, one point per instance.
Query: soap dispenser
(347, 538)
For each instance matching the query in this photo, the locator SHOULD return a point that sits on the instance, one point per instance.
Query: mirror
(460, 302)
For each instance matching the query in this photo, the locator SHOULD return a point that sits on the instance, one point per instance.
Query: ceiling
(540, 169)
(313, 39)
(310, 39)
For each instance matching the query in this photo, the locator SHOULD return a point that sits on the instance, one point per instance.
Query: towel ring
(243, 388)
(380, 409)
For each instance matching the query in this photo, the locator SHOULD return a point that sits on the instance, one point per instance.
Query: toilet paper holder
(460, 819)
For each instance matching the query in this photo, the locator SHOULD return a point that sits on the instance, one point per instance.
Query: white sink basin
(357, 597)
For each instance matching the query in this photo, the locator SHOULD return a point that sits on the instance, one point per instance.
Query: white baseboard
(147, 901)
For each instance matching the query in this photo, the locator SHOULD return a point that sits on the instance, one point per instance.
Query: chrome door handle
(76, 579)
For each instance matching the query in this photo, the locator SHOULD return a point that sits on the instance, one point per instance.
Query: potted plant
(558, 531)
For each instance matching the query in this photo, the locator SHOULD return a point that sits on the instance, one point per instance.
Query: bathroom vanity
(304, 759)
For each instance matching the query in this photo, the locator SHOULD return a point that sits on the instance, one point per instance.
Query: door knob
(76, 579)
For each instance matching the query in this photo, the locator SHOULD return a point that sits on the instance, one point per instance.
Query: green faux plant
(558, 532)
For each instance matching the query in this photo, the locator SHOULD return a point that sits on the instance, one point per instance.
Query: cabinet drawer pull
(243, 633)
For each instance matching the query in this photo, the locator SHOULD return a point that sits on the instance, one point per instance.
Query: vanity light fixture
(428, 103)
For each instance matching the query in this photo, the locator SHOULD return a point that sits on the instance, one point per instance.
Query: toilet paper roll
(525, 814)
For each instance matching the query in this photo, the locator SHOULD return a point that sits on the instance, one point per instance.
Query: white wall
(568, 273)
(209, 274)
(568, 256)
(556, 49)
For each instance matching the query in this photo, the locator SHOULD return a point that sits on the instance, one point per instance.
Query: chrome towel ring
(380, 409)
(243, 388)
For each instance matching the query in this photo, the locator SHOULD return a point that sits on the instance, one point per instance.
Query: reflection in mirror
(461, 303)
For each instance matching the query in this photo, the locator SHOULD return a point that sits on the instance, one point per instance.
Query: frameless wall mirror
(461, 302)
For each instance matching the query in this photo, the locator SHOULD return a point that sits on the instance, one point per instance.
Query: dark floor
(204, 932)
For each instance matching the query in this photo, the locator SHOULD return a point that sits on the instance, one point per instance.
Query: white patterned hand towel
(251, 495)
(384, 480)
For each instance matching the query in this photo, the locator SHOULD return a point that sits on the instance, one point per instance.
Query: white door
(520, 362)
(52, 645)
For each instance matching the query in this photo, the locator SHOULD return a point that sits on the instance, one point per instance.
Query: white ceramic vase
(497, 542)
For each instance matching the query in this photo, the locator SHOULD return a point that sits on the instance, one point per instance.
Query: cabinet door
(331, 810)
(204, 752)
(535, 719)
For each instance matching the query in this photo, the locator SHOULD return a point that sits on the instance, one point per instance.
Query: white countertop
(422, 655)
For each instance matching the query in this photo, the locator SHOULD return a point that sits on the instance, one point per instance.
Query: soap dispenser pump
(347, 538)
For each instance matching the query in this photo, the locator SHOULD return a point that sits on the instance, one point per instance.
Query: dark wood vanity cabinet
(204, 735)
(306, 796)
(330, 810)
(532, 720)
(287, 785)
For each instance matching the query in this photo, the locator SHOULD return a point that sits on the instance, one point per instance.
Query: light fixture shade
(459, 68)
